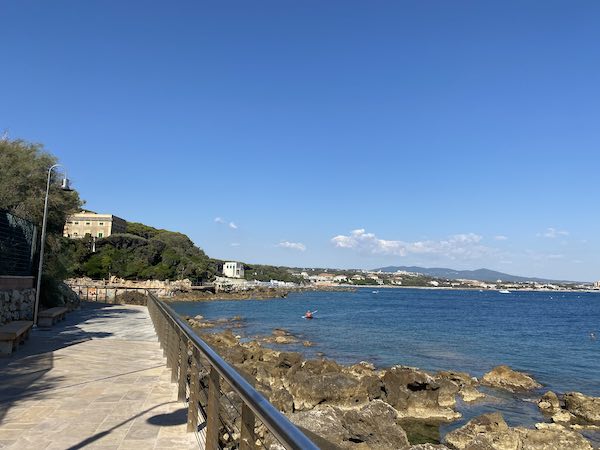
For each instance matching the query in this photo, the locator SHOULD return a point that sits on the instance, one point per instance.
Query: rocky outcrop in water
(417, 394)
(584, 408)
(504, 377)
(490, 432)
(576, 410)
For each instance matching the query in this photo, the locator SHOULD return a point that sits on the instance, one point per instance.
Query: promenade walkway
(97, 380)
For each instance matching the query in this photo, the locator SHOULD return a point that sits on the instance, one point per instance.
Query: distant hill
(479, 274)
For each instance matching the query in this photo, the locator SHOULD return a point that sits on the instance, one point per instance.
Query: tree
(24, 168)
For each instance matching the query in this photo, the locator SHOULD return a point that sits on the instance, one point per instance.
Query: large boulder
(506, 378)
(583, 407)
(310, 390)
(416, 394)
(490, 432)
(373, 426)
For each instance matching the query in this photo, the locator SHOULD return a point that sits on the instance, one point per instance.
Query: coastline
(279, 293)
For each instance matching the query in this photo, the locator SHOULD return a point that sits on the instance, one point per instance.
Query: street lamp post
(65, 187)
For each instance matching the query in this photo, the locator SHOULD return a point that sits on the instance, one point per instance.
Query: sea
(549, 335)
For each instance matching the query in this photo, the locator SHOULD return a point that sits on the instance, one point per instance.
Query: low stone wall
(113, 295)
(16, 304)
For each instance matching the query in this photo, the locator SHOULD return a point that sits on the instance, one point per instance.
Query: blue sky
(340, 134)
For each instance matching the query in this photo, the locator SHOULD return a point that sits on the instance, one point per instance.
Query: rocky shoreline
(251, 294)
(360, 407)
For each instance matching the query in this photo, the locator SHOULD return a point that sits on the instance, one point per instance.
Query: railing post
(192, 417)
(247, 438)
(212, 419)
(183, 368)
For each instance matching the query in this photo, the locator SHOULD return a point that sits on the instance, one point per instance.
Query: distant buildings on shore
(87, 223)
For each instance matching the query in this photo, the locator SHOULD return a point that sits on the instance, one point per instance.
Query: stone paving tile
(97, 380)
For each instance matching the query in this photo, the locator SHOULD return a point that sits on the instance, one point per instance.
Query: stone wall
(16, 304)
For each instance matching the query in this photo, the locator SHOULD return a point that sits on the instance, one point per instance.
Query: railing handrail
(277, 423)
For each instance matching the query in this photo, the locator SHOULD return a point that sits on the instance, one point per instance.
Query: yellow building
(91, 224)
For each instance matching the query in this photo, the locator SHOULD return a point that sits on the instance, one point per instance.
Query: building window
(87, 223)
(75, 234)
(76, 223)
(100, 234)
(101, 223)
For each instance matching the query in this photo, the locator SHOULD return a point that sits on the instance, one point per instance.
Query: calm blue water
(542, 333)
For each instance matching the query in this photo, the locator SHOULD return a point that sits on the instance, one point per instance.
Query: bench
(12, 334)
(49, 317)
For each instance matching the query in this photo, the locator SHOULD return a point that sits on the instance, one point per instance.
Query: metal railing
(202, 376)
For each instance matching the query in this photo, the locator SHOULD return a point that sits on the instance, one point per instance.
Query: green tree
(24, 168)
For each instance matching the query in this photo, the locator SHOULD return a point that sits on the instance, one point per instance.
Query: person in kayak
(308, 314)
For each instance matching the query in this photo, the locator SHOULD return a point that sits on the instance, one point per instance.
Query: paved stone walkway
(97, 380)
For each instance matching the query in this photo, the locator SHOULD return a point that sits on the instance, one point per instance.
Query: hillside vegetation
(143, 252)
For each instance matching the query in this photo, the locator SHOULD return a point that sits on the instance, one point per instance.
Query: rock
(558, 438)
(416, 394)
(334, 388)
(284, 340)
(373, 426)
(583, 407)
(466, 382)
(506, 378)
(307, 344)
(490, 432)
(281, 332)
(428, 447)
(549, 402)
(470, 394)
(562, 416)
(325, 421)
(481, 432)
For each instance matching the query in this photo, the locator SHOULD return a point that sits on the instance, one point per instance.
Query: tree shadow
(27, 372)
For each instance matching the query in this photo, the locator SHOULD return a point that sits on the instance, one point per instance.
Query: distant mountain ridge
(479, 274)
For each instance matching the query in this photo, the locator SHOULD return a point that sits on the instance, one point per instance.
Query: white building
(597, 284)
(233, 269)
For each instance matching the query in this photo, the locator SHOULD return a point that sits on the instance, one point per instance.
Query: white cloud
(292, 245)
(235, 244)
(553, 233)
(222, 221)
(458, 246)
(500, 238)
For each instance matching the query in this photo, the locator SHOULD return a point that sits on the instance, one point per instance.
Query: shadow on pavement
(25, 373)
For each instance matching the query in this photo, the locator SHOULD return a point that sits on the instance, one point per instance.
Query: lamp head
(66, 185)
